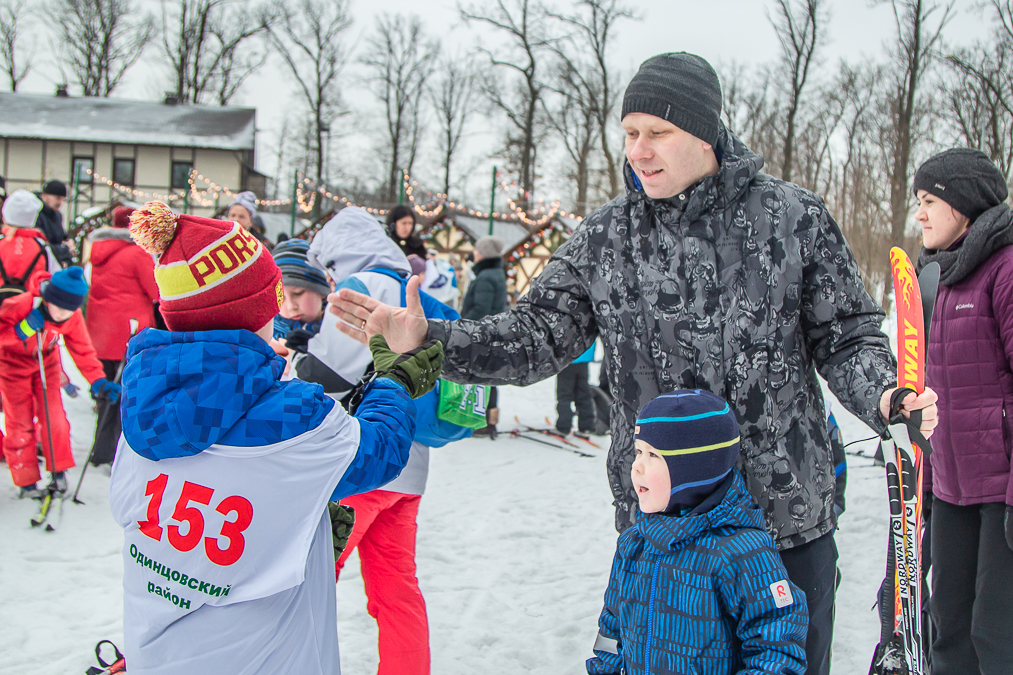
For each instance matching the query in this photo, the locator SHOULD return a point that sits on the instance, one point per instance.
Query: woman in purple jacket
(968, 230)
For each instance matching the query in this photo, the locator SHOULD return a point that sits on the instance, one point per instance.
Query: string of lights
(141, 194)
(307, 193)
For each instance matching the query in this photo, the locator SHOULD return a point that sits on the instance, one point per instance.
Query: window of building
(181, 175)
(123, 172)
(82, 166)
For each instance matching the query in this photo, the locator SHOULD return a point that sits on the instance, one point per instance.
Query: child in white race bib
(223, 473)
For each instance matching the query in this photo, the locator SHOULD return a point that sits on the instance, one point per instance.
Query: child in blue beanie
(29, 322)
(696, 583)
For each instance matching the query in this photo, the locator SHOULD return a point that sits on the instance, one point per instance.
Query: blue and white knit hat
(697, 434)
(296, 270)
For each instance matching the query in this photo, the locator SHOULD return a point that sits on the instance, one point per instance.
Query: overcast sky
(719, 30)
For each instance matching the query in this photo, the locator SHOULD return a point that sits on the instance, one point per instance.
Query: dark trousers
(813, 568)
(107, 426)
(972, 590)
(572, 388)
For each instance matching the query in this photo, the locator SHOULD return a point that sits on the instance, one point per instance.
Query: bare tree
(524, 24)
(798, 26)
(100, 40)
(308, 35)
(856, 193)
(919, 25)
(400, 60)
(13, 17)
(453, 99)
(981, 95)
(594, 22)
(752, 110)
(574, 117)
(209, 47)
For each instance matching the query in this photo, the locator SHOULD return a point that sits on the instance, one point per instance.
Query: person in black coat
(487, 294)
(401, 224)
(50, 220)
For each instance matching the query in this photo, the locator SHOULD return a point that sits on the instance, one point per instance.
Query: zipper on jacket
(650, 617)
(1005, 434)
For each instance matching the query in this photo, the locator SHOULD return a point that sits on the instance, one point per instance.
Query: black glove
(342, 520)
(298, 340)
(1008, 524)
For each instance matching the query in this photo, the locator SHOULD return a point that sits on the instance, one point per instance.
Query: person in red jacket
(23, 248)
(37, 318)
(123, 291)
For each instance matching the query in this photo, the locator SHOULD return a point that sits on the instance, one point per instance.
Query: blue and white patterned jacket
(696, 594)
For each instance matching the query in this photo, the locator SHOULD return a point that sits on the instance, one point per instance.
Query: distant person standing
(401, 224)
(50, 220)
(243, 210)
(122, 289)
(487, 295)
(573, 389)
(23, 248)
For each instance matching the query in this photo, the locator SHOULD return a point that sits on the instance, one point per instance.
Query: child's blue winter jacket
(701, 593)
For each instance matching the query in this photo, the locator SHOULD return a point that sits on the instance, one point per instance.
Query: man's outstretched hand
(362, 317)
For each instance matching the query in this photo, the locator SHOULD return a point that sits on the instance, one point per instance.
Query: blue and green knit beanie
(296, 270)
(67, 288)
(697, 434)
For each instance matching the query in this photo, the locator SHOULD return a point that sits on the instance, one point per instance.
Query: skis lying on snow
(519, 433)
(548, 432)
(901, 649)
(51, 501)
(576, 435)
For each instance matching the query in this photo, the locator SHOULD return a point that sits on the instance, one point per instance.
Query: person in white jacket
(352, 248)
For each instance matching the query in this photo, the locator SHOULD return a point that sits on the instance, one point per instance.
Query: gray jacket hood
(353, 241)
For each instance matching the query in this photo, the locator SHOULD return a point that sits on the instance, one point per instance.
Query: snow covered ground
(514, 547)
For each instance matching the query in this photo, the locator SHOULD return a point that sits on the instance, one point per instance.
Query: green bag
(463, 404)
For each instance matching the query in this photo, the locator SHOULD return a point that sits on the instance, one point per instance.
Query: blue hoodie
(184, 392)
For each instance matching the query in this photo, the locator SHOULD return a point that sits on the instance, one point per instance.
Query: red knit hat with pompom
(211, 274)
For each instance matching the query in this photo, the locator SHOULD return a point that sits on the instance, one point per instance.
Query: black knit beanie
(680, 88)
(964, 178)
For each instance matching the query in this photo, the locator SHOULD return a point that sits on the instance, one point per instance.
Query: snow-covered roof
(511, 232)
(109, 120)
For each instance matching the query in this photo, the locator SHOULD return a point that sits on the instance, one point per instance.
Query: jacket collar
(107, 233)
(738, 166)
(487, 264)
(667, 533)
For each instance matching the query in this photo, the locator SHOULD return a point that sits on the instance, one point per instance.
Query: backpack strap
(431, 307)
(396, 277)
(28, 270)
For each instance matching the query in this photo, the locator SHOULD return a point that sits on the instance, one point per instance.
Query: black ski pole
(119, 373)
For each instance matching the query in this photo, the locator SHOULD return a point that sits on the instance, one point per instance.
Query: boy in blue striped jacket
(697, 585)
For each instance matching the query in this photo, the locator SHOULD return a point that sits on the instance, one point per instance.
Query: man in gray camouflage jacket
(706, 274)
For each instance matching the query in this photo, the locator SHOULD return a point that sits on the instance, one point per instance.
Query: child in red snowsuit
(23, 249)
(49, 309)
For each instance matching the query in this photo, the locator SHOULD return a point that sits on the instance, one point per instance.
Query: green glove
(417, 370)
(342, 520)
